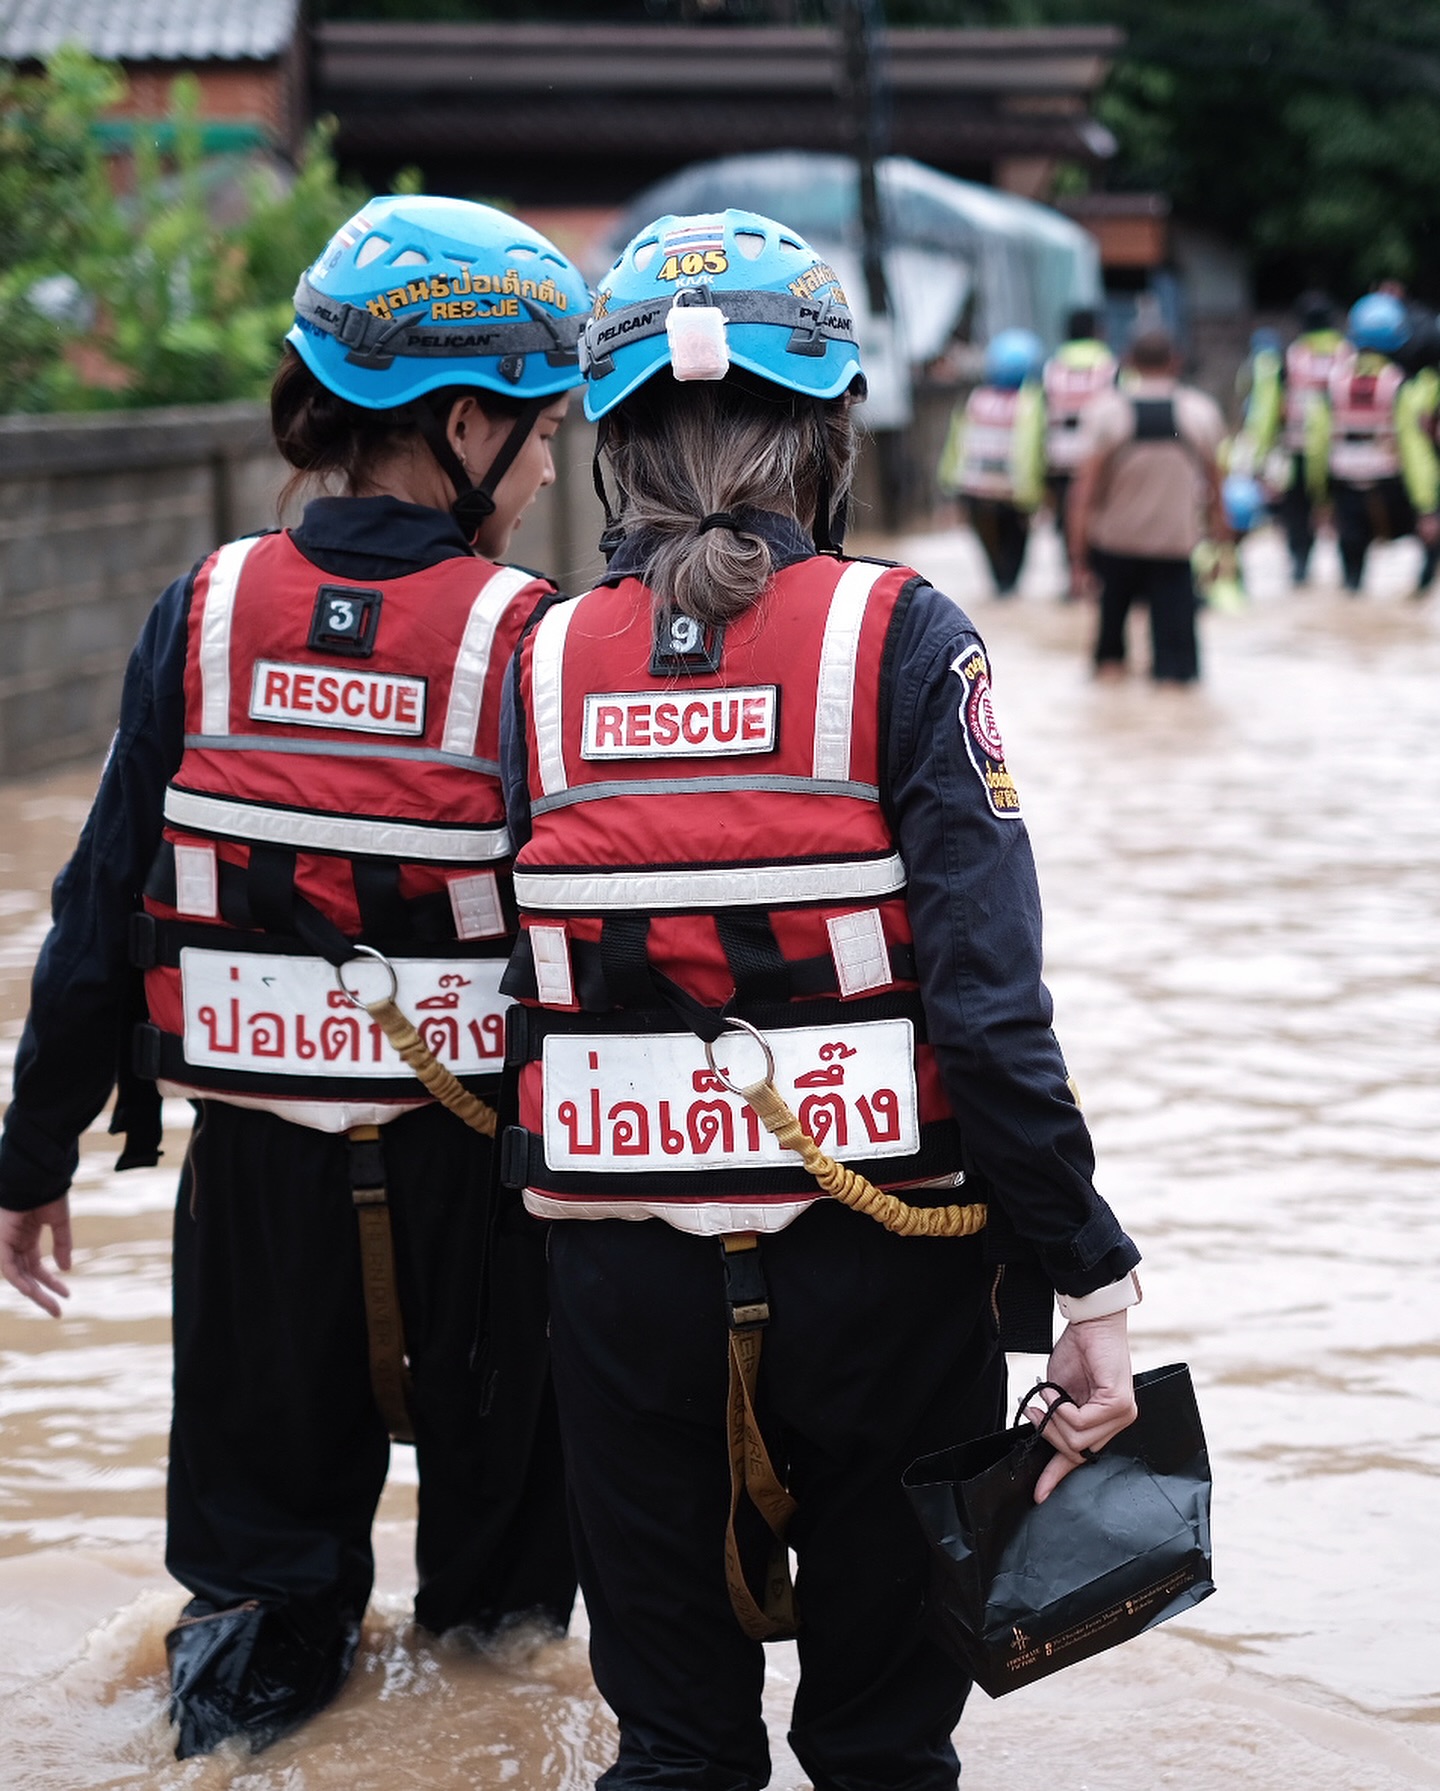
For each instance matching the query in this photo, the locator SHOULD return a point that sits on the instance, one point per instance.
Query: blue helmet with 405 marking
(696, 296)
(1012, 357)
(417, 293)
(1379, 322)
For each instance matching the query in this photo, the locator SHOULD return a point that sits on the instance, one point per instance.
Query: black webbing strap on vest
(389, 1370)
(773, 1617)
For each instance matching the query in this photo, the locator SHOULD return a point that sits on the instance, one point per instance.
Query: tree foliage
(175, 290)
(1308, 130)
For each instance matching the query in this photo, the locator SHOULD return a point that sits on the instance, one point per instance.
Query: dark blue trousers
(879, 1348)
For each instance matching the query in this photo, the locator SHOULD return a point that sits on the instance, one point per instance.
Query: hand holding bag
(1019, 1590)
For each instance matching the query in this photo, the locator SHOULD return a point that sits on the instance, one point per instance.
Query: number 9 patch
(982, 735)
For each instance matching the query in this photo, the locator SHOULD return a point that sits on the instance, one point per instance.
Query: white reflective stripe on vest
(743, 886)
(472, 663)
(839, 653)
(215, 624)
(704, 786)
(547, 668)
(310, 830)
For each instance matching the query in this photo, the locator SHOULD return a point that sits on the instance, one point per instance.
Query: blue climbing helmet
(1379, 322)
(1243, 498)
(416, 293)
(1012, 357)
(1265, 341)
(699, 295)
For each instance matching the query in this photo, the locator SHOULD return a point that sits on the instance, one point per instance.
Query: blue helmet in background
(695, 296)
(1244, 500)
(1265, 341)
(417, 293)
(1012, 357)
(1378, 321)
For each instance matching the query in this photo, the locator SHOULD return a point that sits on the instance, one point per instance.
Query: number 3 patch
(345, 621)
(982, 735)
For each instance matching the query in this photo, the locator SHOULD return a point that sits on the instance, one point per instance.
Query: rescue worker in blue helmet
(300, 816)
(1373, 439)
(779, 960)
(994, 455)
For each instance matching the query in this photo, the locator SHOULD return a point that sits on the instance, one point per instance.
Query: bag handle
(1061, 1398)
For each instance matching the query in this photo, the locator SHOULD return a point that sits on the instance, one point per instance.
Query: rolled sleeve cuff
(34, 1167)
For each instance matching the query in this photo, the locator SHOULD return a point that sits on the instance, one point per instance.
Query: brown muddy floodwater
(1241, 887)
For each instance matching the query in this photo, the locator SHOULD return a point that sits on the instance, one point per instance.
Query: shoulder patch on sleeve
(982, 734)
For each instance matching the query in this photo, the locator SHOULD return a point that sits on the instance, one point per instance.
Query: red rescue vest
(339, 783)
(987, 460)
(711, 818)
(1307, 379)
(1068, 389)
(1364, 445)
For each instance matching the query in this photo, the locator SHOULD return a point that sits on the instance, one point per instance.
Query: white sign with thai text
(285, 1016)
(647, 1101)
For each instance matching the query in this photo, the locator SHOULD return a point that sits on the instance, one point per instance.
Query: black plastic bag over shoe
(249, 1671)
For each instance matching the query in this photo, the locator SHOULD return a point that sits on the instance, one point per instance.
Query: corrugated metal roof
(149, 30)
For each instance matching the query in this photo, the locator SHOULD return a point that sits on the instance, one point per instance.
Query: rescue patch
(707, 724)
(312, 697)
(982, 735)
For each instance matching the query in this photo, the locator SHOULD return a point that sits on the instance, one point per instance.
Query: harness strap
(804, 976)
(752, 1473)
(753, 955)
(388, 918)
(385, 1328)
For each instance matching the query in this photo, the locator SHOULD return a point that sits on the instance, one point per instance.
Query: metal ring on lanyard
(735, 1025)
(366, 951)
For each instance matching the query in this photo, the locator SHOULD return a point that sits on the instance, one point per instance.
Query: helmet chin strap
(474, 503)
(830, 517)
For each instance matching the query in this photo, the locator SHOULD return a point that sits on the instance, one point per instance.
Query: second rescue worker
(1080, 369)
(762, 811)
(1374, 438)
(994, 457)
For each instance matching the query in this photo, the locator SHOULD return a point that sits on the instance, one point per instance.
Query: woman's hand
(21, 1261)
(1092, 1363)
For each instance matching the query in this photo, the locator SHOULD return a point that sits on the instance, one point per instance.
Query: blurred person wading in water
(1146, 494)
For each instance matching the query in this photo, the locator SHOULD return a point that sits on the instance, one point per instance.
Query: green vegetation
(175, 290)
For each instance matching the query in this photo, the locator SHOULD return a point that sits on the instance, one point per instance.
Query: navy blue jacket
(975, 912)
(81, 997)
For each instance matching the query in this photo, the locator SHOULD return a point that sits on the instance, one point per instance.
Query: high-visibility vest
(1309, 362)
(340, 782)
(707, 817)
(1074, 374)
(988, 458)
(1364, 442)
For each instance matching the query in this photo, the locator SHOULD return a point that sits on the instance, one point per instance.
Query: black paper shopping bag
(1019, 1590)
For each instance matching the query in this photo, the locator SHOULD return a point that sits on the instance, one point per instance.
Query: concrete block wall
(98, 514)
